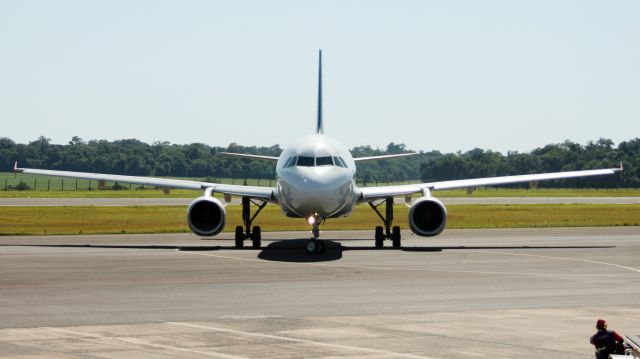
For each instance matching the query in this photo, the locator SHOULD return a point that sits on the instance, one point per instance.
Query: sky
(434, 75)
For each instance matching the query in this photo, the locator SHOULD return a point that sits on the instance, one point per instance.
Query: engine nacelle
(206, 216)
(427, 216)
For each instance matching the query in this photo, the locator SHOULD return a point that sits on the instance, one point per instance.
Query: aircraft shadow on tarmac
(293, 250)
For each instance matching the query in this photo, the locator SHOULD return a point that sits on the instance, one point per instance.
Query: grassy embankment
(172, 219)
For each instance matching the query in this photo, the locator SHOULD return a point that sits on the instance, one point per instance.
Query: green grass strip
(172, 219)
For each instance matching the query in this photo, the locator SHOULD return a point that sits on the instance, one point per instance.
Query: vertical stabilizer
(319, 127)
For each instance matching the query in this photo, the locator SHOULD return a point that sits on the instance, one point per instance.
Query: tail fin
(319, 127)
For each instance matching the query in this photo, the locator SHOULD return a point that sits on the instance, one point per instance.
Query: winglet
(16, 169)
(319, 126)
(621, 169)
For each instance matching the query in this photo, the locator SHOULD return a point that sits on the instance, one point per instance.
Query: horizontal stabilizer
(248, 156)
(384, 157)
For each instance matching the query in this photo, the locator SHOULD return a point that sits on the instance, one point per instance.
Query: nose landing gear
(314, 245)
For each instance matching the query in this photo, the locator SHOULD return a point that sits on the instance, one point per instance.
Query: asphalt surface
(512, 293)
(236, 200)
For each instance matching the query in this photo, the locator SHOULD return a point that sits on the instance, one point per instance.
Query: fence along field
(10, 182)
(25, 185)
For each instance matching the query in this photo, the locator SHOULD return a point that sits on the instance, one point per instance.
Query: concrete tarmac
(509, 293)
(236, 200)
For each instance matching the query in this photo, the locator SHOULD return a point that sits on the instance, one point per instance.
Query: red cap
(601, 323)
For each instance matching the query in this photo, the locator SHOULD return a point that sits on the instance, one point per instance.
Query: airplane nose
(319, 179)
(316, 190)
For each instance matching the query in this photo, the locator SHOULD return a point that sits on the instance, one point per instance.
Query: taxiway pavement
(525, 293)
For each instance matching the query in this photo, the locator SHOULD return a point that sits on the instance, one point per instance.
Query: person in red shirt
(607, 342)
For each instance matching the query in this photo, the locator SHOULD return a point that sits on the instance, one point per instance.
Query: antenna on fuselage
(319, 127)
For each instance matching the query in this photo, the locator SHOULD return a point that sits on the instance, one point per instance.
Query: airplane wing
(383, 157)
(264, 193)
(248, 156)
(370, 193)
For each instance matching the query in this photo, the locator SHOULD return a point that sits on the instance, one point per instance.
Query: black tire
(320, 247)
(256, 236)
(379, 237)
(311, 246)
(239, 237)
(396, 237)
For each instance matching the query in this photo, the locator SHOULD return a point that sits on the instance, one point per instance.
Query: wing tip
(16, 169)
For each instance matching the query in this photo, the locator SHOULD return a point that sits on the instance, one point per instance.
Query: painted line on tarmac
(347, 266)
(96, 338)
(386, 353)
(564, 259)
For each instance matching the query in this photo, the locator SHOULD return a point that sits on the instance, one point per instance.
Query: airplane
(315, 181)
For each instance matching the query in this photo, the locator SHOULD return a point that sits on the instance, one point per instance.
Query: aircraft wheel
(239, 237)
(256, 237)
(395, 237)
(379, 237)
(314, 246)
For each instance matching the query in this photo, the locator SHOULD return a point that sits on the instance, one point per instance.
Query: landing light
(311, 220)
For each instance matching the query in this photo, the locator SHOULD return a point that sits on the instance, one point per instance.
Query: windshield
(321, 161)
(324, 161)
(305, 161)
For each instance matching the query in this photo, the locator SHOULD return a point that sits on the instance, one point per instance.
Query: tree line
(197, 160)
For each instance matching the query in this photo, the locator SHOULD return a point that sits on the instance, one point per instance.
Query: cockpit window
(291, 161)
(324, 161)
(340, 161)
(305, 161)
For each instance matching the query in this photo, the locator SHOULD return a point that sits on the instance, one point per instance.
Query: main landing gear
(388, 232)
(247, 233)
(314, 245)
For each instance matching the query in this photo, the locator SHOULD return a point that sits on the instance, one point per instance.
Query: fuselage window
(305, 161)
(324, 161)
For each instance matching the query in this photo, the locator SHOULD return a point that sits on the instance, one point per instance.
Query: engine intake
(206, 216)
(427, 217)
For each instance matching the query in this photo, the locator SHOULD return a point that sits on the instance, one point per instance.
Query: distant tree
(134, 157)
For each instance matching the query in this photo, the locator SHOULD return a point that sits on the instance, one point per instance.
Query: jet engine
(427, 216)
(206, 216)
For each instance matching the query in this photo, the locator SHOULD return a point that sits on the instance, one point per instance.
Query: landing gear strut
(388, 232)
(246, 232)
(314, 245)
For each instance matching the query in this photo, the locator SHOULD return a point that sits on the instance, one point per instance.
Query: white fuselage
(316, 178)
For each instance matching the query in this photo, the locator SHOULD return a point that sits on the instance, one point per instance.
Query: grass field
(172, 219)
